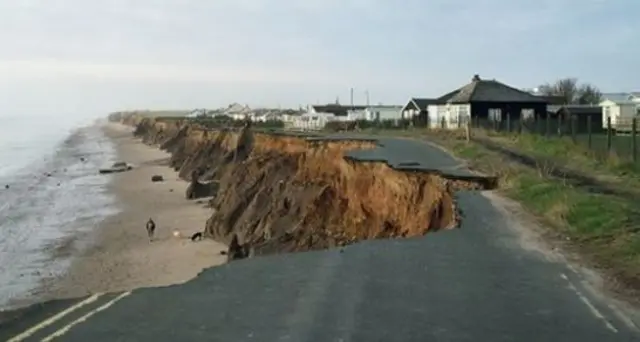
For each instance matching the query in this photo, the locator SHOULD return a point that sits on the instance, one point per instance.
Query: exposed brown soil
(283, 193)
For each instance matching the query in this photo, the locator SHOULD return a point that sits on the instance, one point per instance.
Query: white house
(620, 111)
(197, 113)
(416, 106)
(448, 115)
(238, 112)
(315, 118)
(382, 112)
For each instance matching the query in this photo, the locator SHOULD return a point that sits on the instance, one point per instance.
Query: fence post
(467, 129)
(521, 128)
(634, 147)
(508, 123)
(559, 125)
(609, 133)
(589, 131)
(548, 128)
(574, 122)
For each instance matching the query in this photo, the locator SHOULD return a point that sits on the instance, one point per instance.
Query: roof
(336, 109)
(480, 90)
(420, 102)
(617, 97)
(236, 108)
(576, 109)
(384, 107)
(553, 99)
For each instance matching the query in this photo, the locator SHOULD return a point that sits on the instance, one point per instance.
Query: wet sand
(122, 257)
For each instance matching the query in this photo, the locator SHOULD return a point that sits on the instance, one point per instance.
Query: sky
(92, 57)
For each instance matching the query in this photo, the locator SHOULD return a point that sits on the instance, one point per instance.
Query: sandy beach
(122, 257)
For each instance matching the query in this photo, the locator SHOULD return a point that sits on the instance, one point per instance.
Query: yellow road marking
(53, 319)
(68, 327)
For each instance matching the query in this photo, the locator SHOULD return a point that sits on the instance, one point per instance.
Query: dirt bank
(285, 193)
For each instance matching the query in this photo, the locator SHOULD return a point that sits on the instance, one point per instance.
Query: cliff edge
(284, 193)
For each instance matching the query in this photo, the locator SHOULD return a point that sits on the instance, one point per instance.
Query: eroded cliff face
(283, 193)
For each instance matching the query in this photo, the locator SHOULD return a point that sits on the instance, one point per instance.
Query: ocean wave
(54, 197)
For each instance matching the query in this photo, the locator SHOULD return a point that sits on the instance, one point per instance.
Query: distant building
(197, 113)
(621, 110)
(416, 106)
(378, 112)
(588, 117)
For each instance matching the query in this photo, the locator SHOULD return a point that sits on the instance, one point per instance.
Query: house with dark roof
(485, 100)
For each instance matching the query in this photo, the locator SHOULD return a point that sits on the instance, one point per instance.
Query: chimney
(475, 78)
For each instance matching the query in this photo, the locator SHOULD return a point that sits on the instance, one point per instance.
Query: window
(527, 114)
(463, 114)
(463, 110)
(495, 114)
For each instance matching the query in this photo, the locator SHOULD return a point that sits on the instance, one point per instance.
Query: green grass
(603, 227)
(618, 162)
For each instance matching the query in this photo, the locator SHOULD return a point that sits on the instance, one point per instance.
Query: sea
(52, 197)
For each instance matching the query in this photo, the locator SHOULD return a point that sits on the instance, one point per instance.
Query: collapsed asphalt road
(477, 283)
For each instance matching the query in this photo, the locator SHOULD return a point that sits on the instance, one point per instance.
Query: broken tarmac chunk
(117, 167)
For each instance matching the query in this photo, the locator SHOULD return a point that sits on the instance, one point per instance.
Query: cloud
(307, 48)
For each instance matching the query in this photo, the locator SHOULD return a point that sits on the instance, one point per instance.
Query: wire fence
(606, 138)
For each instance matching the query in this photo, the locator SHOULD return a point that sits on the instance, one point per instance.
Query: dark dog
(196, 237)
(151, 228)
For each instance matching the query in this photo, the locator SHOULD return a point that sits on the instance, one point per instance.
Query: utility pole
(351, 98)
(367, 95)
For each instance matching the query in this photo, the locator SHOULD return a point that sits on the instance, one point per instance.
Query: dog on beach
(151, 228)
(196, 237)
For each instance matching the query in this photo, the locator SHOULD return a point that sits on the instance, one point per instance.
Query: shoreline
(120, 256)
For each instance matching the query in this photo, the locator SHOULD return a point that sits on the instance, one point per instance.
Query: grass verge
(603, 228)
(577, 154)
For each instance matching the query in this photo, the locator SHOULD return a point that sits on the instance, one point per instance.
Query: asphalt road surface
(477, 283)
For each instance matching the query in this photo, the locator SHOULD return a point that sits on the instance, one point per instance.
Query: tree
(589, 94)
(571, 92)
